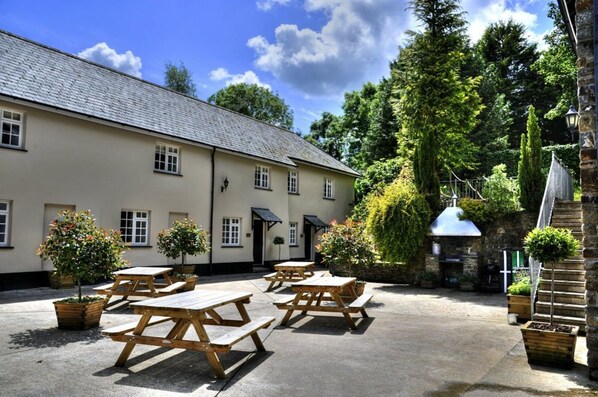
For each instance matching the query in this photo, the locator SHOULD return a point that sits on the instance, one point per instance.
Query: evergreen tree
(530, 178)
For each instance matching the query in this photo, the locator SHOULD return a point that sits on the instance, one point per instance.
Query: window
(12, 129)
(292, 182)
(293, 233)
(231, 231)
(328, 188)
(134, 227)
(4, 222)
(167, 159)
(262, 177)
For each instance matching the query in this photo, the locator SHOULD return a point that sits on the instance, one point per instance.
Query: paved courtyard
(416, 342)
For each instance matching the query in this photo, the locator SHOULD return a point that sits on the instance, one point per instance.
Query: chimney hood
(448, 224)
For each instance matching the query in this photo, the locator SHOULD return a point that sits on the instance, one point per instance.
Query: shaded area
(52, 337)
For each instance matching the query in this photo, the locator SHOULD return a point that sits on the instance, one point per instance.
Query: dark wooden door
(307, 228)
(258, 242)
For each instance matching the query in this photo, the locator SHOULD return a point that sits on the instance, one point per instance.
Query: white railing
(559, 185)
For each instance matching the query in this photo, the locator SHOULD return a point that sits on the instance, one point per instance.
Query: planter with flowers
(519, 296)
(81, 250)
(549, 343)
(182, 239)
(347, 244)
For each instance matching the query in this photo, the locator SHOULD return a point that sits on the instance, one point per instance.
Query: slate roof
(35, 73)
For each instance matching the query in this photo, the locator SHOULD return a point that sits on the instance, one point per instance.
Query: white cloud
(356, 44)
(100, 53)
(266, 5)
(249, 77)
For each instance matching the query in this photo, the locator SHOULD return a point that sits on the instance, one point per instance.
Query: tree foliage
(501, 193)
(398, 220)
(255, 101)
(530, 178)
(178, 78)
(327, 134)
(182, 239)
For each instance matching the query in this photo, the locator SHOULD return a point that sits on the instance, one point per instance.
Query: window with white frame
(12, 129)
(292, 182)
(166, 158)
(293, 233)
(134, 227)
(328, 188)
(262, 177)
(4, 222)
(231, 231)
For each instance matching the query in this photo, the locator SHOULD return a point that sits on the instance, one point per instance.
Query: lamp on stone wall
(572, 120)
(224, 185)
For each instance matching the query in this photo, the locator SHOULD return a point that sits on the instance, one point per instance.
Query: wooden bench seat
(128, 327)
(360, 302)
(226, 341)
(172, 287)
(106, 287)
(284, 301)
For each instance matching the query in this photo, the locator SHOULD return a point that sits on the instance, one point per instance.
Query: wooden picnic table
(140, 281)
(196, 309)
(324, 294)
(289, 272)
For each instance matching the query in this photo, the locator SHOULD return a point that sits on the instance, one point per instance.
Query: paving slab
(416, 342)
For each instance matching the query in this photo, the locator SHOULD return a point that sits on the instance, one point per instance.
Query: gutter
(212, 210)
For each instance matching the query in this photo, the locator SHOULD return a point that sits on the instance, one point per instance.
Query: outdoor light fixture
(224, 185)
(572, 120)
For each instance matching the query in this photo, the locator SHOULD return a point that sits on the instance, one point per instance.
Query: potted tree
(85, 252)
(549, 343)
(346, 245)
(182, 239)
(278, 240)
(467, 282)
(519, 296)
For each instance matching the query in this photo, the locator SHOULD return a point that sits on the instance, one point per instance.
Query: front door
(307, 231)
(258, 242)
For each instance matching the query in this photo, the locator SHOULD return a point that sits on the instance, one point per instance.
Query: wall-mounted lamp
(224, 185)
(572, 120)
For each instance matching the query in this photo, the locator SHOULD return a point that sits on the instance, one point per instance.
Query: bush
(346, 244)
(474, 210)
(501, 193)
(550, 244)
(522, 284)
(398, 220)
(183, 238)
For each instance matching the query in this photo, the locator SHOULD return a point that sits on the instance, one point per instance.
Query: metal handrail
(559, 185)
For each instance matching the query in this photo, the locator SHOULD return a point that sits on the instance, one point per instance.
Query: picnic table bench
(324, 294)
(194, 309)
(289, 272)
(140, 281)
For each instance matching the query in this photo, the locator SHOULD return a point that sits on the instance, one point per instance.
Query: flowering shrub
(346, 244)
(80, 249)
(183, 238)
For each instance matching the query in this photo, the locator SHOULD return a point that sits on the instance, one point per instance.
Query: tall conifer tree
(531, 180)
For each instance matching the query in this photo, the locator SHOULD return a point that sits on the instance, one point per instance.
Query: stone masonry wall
(589, 171)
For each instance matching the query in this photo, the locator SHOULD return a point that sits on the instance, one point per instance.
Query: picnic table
(325, 294)
(196, 309)
(140, 281)
(289, 272)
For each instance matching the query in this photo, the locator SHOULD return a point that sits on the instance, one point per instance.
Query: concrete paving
(416, 342)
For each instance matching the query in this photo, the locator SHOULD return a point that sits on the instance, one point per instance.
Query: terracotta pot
(550, 348)
(79, 315)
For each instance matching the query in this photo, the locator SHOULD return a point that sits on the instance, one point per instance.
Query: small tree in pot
(182, 239)
(278, 240)
(550, 246)
(80, 249)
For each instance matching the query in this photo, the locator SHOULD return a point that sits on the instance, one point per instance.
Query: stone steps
(581, 322)
(562, 309)
(576, 298)
(563, 275)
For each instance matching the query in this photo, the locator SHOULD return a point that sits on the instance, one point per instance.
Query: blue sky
(308, 51)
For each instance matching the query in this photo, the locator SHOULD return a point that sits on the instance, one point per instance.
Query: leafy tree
(255, 101)
(398, 219)
(500, 192)
(437, 106)
(327, 134)
(182, 239)
(178, 78)
(530, 178)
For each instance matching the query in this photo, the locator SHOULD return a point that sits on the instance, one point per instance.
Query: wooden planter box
(555, 349)
(520, 305)
(428, 284)
(468, 286)
(79, 315)
(190, 286)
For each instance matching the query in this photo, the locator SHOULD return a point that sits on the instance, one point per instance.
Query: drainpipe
(212, 210)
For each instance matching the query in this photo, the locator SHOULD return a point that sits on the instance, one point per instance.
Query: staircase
(569, 275)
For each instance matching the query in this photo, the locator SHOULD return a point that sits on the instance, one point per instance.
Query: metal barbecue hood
(448, 224)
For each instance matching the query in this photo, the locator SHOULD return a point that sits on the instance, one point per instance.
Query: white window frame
(293, 227)
(4, 222)
(293, 182)
(262, 177)
(139, 227)
(231, 232)
(172, 158)
(8, 120)
(328, 188)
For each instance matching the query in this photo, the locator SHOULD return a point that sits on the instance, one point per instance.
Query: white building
(76, 135)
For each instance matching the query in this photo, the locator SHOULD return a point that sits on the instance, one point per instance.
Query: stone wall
(589, 170)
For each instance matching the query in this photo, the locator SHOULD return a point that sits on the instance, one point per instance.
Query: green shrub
(550, 244)
(522, 284)
(501, 193)
(398, 220)
(474, 210)
(183, 238)
(468, 278)
(346, 244)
